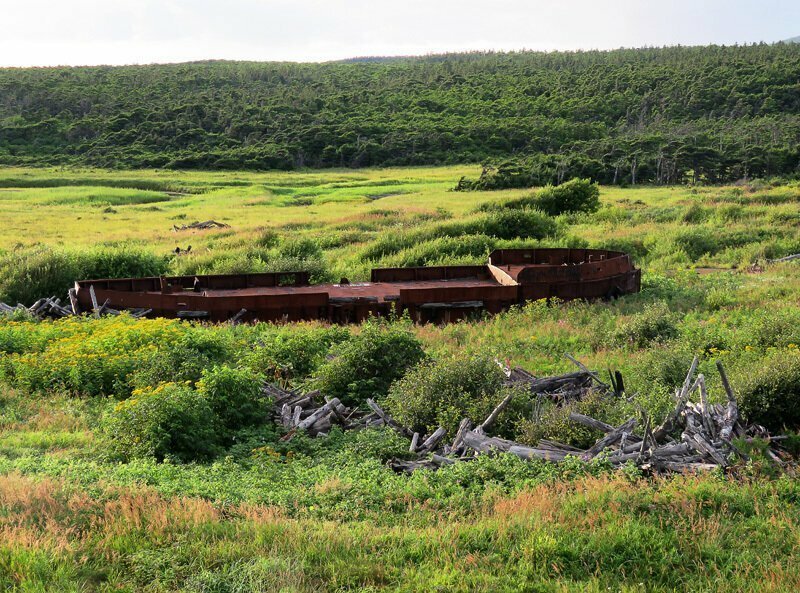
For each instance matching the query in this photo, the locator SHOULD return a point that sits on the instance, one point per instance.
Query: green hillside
(663, 115)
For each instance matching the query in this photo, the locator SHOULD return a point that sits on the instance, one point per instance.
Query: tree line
(658, 115)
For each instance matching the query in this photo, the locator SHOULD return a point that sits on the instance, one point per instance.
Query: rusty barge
(437, 294)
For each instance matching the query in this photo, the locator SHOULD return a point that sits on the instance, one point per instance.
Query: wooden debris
(704, 441)
(204, 225)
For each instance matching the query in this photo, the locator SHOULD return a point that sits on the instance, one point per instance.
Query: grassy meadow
(124, 468)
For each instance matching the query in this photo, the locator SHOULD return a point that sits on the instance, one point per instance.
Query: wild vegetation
(662, 115)
(139, 454)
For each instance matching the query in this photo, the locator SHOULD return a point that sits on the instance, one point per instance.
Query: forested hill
(628, 115)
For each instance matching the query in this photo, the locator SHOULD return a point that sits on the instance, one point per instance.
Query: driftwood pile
(695, 435)
(52, 308)
(202, 226)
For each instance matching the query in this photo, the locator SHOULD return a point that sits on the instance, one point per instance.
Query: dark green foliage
(661, 115)
(365, 366)
(770, 394)
(234, 395)
(169, 421)
(516, 223)
(442, 392)
(31, 274)
(291, 354)
(576, 195)
(552, 422)
(182, 360)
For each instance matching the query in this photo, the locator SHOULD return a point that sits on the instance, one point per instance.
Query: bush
(522, 223)
(442, 392)
(655, 324)
(183, 358)
(293, 353)
(770, 395)
(552, 422)
(234, 395)
(366, 365)
(169, 421)
(577, 195)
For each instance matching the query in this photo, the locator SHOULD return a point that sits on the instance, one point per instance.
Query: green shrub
(293, 353)
(770, 393)
(169, 421)
(551, 421)
(522, 223)
(366, 365)
(234, 395)
(577, 195)
(442, 392)
(656, 323)
(182, 359)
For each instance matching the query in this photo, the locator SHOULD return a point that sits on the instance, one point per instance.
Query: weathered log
(732, 410)
(464, 425)
(73, 300)
(388, 419)
(592, 374)
(524, 452)
(491, 418)
(430, 443)
(612, 437)
(95, 305)
(684, 467)
(286, 416)
(237, 318)
(414, 441)
(318, 414)
(590, 422)
(484, 444)
(668, 425)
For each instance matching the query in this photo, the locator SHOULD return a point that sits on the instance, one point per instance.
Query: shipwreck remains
(437, 294)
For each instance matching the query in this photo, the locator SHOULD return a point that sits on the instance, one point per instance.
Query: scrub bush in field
(168, 421)
(522, 223)
(442, 392)
(552, 422)
(770, 393)
(655, 324)
(234, 395)
(182, 358)
(577, 195)
(366, 365)
(292, 353)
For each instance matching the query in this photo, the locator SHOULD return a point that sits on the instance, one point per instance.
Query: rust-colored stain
(429, 294)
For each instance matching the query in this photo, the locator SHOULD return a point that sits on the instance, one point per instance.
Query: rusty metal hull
(428, 294)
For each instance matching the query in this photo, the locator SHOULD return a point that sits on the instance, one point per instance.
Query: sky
(89, 32)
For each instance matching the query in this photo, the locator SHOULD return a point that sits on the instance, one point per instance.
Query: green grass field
(259, 514)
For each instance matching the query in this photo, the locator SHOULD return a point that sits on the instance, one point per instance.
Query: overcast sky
(75, 32)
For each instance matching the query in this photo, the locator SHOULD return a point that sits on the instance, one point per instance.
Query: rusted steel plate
(513, 276)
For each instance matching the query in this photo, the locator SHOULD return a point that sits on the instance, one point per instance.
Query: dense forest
(659, 115)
